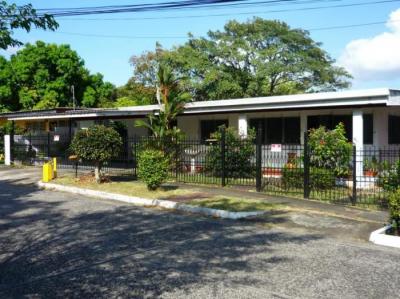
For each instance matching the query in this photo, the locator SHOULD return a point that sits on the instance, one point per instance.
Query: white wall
(190, 124)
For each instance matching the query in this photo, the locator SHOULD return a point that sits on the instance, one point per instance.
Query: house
(371, 117)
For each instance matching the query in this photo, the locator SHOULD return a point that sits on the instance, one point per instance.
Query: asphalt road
(59, 245)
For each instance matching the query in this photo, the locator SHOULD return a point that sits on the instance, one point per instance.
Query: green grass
(235, 204)
(125, 187)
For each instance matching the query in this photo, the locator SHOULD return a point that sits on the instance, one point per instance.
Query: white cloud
(376, 58)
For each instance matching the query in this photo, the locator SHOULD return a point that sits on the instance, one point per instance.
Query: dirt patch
(187, 197)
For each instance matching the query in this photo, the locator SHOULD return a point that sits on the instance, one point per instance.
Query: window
(368, 129)
(394, 129)
(331, 121)
(279, 130)
(208, 127)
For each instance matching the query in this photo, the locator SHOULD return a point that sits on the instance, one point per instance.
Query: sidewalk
(349, 212)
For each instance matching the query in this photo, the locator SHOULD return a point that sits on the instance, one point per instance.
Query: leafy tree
(41, 75)
(97, 144)
(134, 93)
(255, 58)
(23, 17)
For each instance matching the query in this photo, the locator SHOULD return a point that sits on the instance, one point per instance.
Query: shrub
(330, 149)
(394, 210)
(320, 179)
(153, 167)
(97, 144)
(390, 180)
(238, 154)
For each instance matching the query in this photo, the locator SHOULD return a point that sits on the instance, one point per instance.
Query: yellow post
(54, 167)
(47, 172)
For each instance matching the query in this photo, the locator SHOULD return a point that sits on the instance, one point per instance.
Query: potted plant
(371, 167)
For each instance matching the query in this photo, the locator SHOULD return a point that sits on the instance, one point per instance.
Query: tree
(255, 58)
(23, 17)
(173, 102)
(97, 144)
(134, 93)
(41, 75)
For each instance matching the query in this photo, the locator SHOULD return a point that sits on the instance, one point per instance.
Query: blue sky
(110, 56)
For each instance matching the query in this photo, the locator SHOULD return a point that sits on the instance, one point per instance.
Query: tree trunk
(97, 173)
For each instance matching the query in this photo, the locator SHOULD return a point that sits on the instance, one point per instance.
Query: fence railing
(366, 177)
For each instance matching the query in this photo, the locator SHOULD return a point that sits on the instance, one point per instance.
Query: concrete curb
(380, 238)
(145, 202)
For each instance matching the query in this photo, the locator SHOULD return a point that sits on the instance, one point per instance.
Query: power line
(60, 12)
(239, 13)
(187, 36)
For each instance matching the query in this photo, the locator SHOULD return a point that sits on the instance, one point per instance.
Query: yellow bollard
(54, 168)
(47, 172)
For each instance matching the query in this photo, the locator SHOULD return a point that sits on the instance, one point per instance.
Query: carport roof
(354, 98)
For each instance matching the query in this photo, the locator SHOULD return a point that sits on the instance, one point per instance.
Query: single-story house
(371, 117)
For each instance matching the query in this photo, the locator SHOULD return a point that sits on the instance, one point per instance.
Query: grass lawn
(235, 204)
(129, 186)
(125, 186)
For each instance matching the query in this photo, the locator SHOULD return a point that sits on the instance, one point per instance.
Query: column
(242, 125)
(358, 140)
(7, 149)
(303, 126)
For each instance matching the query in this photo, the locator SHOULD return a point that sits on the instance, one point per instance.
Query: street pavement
(55, 244)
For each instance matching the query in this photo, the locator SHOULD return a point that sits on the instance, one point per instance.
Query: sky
(370, 53)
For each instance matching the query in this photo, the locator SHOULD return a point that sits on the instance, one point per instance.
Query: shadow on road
(49, 247)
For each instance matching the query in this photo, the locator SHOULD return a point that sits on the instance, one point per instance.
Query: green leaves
(330, 149)
(153, 167)
(23, 17)
(250, 59)
(41, 75)
(97, 144)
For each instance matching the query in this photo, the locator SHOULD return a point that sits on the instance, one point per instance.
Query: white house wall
(190, 124)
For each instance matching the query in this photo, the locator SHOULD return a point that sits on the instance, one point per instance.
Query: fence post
(7, 150)
(12, 142)
(258, 160)
(135, 156)
(48, 144)
(306, 187)
(354, 197)
(177, 156)
(223, 149)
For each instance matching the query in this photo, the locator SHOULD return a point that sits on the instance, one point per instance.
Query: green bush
(390, 180)
(394, 210)
(330, 149)
(320, 179)
(238, 154)
(97, 144)
(153, 167)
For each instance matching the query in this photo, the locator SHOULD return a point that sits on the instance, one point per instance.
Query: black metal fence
(367, 175)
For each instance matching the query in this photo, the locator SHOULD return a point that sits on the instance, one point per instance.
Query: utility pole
(73, 96)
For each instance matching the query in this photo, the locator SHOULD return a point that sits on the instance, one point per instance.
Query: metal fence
(365, 176)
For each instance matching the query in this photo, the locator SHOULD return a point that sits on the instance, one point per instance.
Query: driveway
(60, 245)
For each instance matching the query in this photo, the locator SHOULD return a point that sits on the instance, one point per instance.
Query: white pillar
(242, 125)
(7, 150)
(358, 140)
(303, 126)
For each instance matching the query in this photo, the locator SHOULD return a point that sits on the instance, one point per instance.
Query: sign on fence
(56, 137)
(276, 148)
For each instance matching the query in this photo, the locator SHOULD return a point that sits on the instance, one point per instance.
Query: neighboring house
(371, 117)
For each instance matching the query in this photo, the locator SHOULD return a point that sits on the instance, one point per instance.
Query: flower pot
(370, 173)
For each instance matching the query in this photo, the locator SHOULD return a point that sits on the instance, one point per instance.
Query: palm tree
(171, 101)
